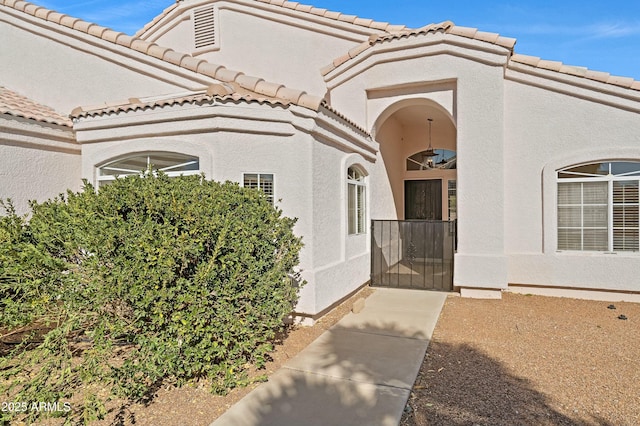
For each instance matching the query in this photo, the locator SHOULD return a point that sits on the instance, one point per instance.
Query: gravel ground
(530, 360)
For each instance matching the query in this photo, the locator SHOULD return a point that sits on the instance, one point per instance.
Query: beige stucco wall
(511, 136)
(276, 45)
(548, 128)
(64, 69)
(37, 161)
(439, 69)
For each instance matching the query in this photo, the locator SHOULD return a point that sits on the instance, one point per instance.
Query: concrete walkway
(359, 372)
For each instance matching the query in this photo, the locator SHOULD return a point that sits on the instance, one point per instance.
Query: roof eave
(303, 11)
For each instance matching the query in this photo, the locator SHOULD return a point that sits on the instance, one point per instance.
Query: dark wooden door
(423, 199)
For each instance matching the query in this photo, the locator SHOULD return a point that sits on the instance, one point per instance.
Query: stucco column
(480, 262)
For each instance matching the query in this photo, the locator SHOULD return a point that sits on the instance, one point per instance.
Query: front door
(423, 199)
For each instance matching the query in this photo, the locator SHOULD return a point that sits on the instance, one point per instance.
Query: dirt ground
(196, 406)
(530, 360)
(522, 360)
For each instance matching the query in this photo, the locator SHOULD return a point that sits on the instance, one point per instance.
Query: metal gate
(415, 254)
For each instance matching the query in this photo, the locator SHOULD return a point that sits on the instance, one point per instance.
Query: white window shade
(261, 181)
(598, 206)
(625, 215)
(356, 201)
(582, 216)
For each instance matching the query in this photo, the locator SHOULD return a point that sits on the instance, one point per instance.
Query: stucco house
(341, 120)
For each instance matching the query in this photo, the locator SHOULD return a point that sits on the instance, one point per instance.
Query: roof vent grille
(204, 27)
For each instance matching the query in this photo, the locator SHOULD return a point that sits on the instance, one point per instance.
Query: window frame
(359, 211)
(447, 160)
(130, 172)
(272, 198)
(610, 179)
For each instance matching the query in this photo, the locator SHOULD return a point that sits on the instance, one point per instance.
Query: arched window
(425, 160)
(356, 191)
(172, 164)
(598, 206)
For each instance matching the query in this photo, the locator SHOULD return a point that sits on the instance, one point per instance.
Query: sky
(599, 35)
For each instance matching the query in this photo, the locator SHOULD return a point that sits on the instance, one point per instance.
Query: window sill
(598, 253)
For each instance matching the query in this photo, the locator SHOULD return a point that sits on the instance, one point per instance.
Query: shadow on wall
(459, 385)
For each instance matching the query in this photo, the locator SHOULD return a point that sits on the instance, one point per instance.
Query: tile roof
(446, 27)
(215, 93)
(237, 81)
(352, 19)
(449, 27)
(337, 16)
(603, 77)
(14, 104)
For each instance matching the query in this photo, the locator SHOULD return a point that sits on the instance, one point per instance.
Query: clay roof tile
(140, 45)
(347, 18)
(463, 31)
(208, 69)
(309, 101)
(96, 30)
(332, 14)
(620, 81)
(275, 93)
(485, 36)
(191, 63)
(42, 13)
(290, 4)
(31, 9)
(550, 65)
(173, 57)
(55, 17)
(68, 21)
(248, 82)
(225, 74)
(268, 88)
(288, 94)
(82, 26)
(318, 11)
(19, 5)
(124, 40)
(304, 8)
(110, 35)
(158, 51)
(580, 72)
(14, 104)
(218, 90)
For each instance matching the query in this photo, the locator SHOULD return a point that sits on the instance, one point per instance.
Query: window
(443, 159)
(356, 189)
(451, 199)
(598, 207)
(170, 163)
(261, 181)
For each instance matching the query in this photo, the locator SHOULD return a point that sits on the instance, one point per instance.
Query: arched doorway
(417, 140)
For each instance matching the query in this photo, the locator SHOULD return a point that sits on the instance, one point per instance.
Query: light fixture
(430, 152)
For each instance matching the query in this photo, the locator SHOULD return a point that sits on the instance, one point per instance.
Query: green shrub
(151, 280)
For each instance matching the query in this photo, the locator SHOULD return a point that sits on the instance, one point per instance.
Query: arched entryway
(417, 140)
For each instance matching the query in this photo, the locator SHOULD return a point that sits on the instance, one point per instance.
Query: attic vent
(204, 27)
